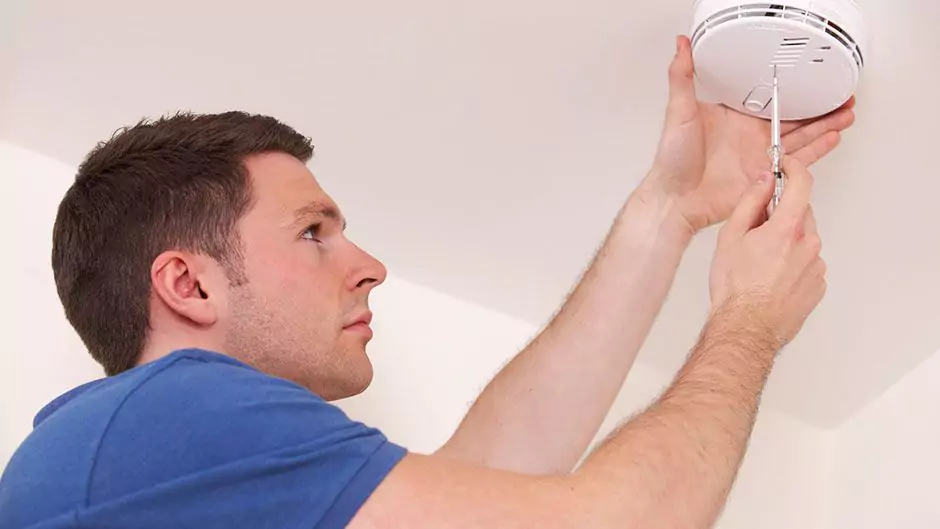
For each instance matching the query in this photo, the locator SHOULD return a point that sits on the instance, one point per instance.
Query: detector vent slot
(790, 51)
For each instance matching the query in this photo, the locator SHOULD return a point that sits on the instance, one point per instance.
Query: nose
(367, 272)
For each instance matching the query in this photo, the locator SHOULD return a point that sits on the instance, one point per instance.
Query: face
(303, 313)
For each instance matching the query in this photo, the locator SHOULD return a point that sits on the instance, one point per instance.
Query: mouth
(361, 324)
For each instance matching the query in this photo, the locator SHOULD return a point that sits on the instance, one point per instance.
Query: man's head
(209, 231)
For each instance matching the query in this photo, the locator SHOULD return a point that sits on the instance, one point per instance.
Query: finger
(811, 244)
(751, 211)
(812, 281)
(807, 252)
(809, 226)
(682, 102)
(850, 103)
(791, 211)
(819, 269)
(805, 243)
(815, 270)
(819, 148)
(807, 134)
(791, 126)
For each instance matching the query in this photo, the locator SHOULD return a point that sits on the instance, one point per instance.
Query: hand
(709, 154)
(773, 272)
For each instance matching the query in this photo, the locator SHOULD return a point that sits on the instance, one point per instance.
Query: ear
(180, 280)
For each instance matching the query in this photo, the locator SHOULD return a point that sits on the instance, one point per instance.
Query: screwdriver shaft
(776, 147)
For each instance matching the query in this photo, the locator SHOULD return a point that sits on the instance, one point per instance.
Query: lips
(363, 319)
(360, 325)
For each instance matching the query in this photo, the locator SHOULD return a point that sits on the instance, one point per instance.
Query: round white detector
(817, 46)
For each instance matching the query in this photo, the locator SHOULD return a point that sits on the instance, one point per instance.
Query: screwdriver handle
(779, 180)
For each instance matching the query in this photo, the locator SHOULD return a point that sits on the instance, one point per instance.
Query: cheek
(274, 264)
(295, 277)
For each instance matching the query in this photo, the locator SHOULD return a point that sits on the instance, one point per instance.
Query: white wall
(41, 356)
(432, 355)
(886, 460)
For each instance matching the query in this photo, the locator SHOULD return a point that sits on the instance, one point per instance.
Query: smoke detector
(817, 46)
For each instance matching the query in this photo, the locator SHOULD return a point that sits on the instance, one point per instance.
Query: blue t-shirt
(193, 440)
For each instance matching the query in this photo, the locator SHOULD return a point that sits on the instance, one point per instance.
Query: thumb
(751, 211)
(682, 101)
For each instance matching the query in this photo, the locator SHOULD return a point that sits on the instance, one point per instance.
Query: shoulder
(219, 408)
(201, 395)
(195, 439)
(207, 414)
(204, 383)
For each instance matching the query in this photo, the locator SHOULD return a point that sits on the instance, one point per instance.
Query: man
(208, 273)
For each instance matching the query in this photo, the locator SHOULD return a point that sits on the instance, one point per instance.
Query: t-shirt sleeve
(242, 450)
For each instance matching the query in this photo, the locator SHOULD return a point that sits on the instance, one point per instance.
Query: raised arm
(673, 465)
(571, 373)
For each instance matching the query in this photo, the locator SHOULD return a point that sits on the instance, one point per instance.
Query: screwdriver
(776, 146)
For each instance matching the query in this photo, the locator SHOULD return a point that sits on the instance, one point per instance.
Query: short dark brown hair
(178, 182)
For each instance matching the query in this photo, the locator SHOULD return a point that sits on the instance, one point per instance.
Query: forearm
(543, 409)
(670, 467)
(675, 463)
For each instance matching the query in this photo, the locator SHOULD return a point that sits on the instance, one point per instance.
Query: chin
(352, 381)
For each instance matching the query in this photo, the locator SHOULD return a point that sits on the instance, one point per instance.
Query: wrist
(653, 202)
(737, 321)
(662, 185)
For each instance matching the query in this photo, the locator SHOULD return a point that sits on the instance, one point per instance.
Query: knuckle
(814, 243)
(795, 232)
(809, 178)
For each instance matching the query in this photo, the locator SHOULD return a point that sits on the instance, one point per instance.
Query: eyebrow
(317, 210)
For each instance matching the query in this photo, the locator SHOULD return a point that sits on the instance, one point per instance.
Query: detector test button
(759, 98)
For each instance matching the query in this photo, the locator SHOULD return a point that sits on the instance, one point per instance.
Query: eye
(312, 233)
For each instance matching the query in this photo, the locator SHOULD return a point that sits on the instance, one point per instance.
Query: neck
(160, 344)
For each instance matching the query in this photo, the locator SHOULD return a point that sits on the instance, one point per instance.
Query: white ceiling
(482, 148)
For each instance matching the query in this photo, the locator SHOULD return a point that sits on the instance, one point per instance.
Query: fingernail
(764, 177)
(678, 44)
